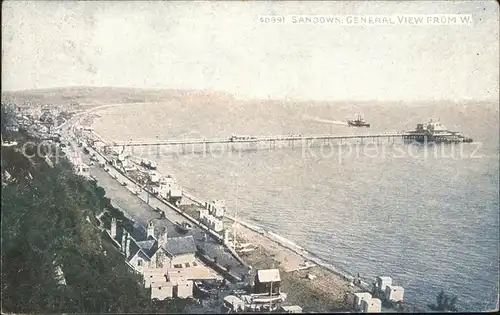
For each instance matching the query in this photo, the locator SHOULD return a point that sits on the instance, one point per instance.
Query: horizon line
(235, 96)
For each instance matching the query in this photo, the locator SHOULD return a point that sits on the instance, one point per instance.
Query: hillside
(49, 226)
(81, 97)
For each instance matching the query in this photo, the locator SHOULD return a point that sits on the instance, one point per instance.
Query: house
(233, 304)
(214, 223)
(59, 275)
(36, 112)
(267, 280)
(162, 291)
(175, 195)
(216, 208)
(382, 282)
(394, 293)
(98, 145)
(166, 188)
(180, 251)
(14, 127)
(168, 265)
(6, 178)
(181, 289)
(142, 250)
(83, 169)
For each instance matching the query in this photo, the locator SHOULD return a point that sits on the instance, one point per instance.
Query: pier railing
(259, 139)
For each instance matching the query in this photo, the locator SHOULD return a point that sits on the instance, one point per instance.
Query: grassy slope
(44, 221)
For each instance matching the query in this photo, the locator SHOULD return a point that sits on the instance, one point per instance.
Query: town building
(267, 281)
(166, 188)
(213, 215)
(168, 265)
(266, 295)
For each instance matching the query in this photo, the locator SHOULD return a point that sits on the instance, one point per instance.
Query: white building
(355, 299)
(213, 223)
(394, 293)
(382, 282)
(154, 177)
(83, 169)
(266, 295)
(216, 208)
(168, 265)
(371, 306)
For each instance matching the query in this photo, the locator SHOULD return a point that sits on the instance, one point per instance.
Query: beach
(370, 203)
(325, 293)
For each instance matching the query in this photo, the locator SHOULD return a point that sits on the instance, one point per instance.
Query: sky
(221, 46)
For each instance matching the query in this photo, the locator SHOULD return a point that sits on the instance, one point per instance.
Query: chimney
(127, 247)
(113, 228)
(124, 240)
(151, 229)
(162, 239)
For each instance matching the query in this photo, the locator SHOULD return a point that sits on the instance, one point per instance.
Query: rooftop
(133, 249)
(148, 247)
(268, 275)
(180, 245)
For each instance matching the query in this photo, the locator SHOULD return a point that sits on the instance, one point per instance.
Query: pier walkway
(261, 139)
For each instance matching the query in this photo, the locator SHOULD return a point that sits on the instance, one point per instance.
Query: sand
(325, 293)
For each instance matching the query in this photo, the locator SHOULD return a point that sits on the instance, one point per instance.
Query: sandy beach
(325, 293)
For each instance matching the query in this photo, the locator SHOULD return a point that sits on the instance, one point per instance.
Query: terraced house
(168, 265)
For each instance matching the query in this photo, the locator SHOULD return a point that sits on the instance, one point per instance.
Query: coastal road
(141, 209)
(138, 209)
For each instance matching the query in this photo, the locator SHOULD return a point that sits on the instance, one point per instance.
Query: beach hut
(371, 306)
(394, 293)
(382, 282)
(356, 298)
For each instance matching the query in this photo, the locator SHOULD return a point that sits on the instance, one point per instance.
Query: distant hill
(92, 96)
(87, 96)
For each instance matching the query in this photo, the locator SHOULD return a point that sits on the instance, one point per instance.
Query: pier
(263, 141)
(268, 139)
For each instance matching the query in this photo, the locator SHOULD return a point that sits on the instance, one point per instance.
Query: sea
(427, 216)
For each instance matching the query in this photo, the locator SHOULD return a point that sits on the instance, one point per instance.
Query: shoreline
(325, 293)
(288, 245)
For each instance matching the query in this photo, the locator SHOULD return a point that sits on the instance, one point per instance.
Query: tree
(444, 303)
(43, 226)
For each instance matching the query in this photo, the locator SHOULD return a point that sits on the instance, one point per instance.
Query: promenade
(137, 208)
(141, 208)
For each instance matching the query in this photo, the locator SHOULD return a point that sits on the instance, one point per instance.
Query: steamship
(359, 122)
